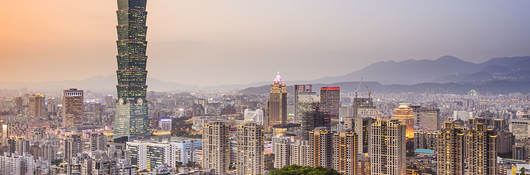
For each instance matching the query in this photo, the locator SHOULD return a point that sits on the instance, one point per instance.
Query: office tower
(450, 150)
(72, 108)
(149, 155)
(281, 149)
(250, 143)
(405, 115)
(98, 141)
(131, 118)
(480, 150)
(277, 104)
(36, 105)
(298, 152)
(255, 116)
(72, 146)
(427, 118)
(314, 119)
(345, 152)
(387, 147)
(306, 101)
(330, 100)
(300, 89)
(320, 152)
(216, 147)
(425, 140)
(361, 127)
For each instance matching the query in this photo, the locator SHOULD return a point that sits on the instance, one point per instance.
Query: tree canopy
(299, 170)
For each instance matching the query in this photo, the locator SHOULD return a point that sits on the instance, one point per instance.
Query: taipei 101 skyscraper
(131, 119)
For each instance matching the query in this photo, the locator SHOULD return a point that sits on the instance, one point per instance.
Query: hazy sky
(238, 41)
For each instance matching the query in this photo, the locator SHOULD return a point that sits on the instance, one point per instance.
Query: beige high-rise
(345, 152)
(72, 108)
(387, 147)
(277, 104)
(216, 147)
(450, 150)
(250, 149)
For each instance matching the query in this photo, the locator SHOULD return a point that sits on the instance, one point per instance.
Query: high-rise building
(298, 152)
(149, 155)
(314, 119)
(277, 104)
(72, 108)
(306, 101)
(216, 147)
(361, 127)
(345, 152)
(450, 150)
(250, 143)
(405, 115)
(480, 150)
(387, 147)
(72, 146)
(330, 100)
(281, 149)
(131, 118)
(300, 89)
(320, 152)
(37, 107)
(427, 118)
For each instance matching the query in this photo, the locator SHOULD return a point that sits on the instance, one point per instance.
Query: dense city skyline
(195, 42)
(444, 116)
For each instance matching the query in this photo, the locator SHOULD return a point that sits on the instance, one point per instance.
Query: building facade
(131, 119)
(72, 108)
(387, 147)
(250, 141)
(216, 147)
(277, 104)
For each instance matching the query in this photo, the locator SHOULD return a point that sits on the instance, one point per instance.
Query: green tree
(299, 170)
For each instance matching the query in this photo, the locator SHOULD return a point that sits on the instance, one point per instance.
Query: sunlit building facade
(250, 141)
(387, 147)
(72, 108)
(131, 118)
(405, 115)
(450, 150)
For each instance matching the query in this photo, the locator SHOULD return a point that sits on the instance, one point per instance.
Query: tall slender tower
(277, 104)
(450, 150)
(131, 118)
(480, 150)
(250, 149)
(387, 147)
(216, 147)
(345, 152)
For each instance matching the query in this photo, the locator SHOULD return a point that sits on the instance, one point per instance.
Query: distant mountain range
(442, 70)
(447, 74)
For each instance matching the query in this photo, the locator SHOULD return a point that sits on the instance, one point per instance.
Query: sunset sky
(239, 41)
